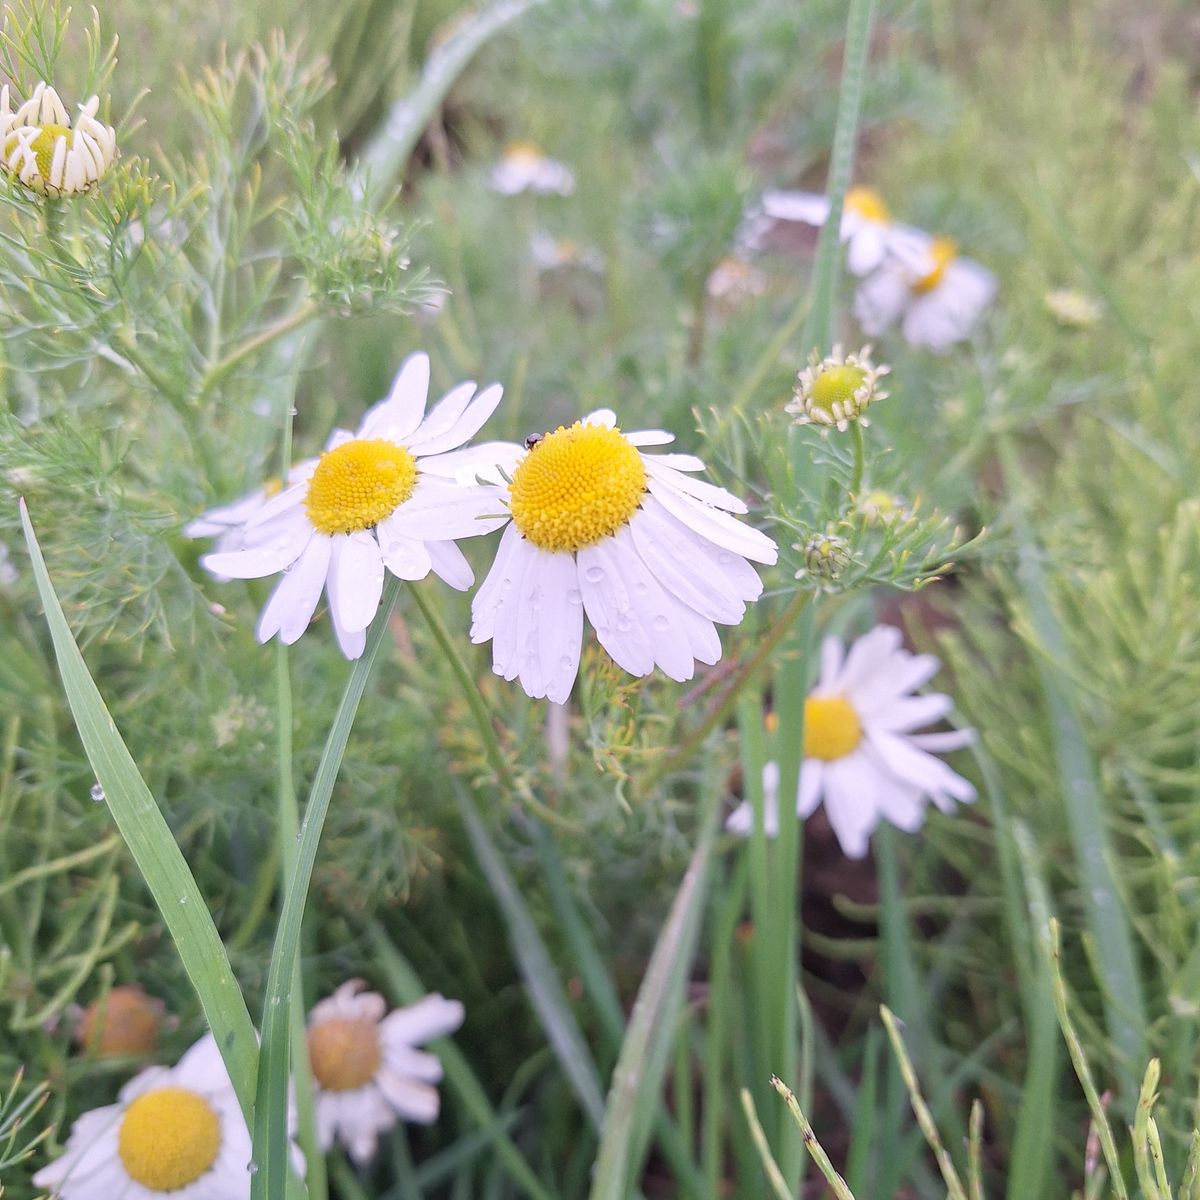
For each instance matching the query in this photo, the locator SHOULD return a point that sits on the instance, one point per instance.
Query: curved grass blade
(638, 1075)
(153, 846)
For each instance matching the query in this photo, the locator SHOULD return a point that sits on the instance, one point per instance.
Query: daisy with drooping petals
(385, 498)
(866, 223)
(524, 168)
(367, 1070)
(45, 152)
(937, 295)
(651, 555)
(174, 1131)
(861, 755)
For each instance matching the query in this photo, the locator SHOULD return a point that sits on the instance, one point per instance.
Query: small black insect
(533, 439)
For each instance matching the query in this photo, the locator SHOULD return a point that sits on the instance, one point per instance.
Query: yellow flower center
(524, 153)
(831, 727)
(168, 1139)
(344, 1053)
(943, 251)
(576, 487)
(836, 385)
(359, 483)
(42, 146)
(868, 204)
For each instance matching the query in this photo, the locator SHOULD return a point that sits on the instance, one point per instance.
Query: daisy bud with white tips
(46, 152)
(836, 391)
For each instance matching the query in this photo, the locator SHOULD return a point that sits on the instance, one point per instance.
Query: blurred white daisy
(174, 1131)
(836, 391)
(45, 152)
(860, 754)
(866, 223)
(734, 280)
(937, 295)
(524, 168)
(385, 498)
(652, 556)
(367, 1071)
(1075, 309)
(549, 253)
(8, 569)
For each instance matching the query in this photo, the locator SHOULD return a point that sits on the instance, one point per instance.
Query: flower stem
(270, 1109)
(217, 372)
(860, 458)
(746, 672)
(468, 687)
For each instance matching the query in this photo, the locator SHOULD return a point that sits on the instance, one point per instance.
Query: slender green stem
(252, 345)
(267, 1182)
(860, 458)
(835, 1181)
(724, 707)
(468, 686)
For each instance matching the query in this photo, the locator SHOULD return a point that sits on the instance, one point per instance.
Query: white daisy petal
(355, 580)
(601, 416)
(650, 437)
(441, 418)
(473, 419)
(488, 600)
(441, 510)
(706, 493)
(560, 625)
(850, 789)
(400, 413)
(718, 527)
(450, 565)
(417, 1102)
(608, 606)
(291, 606)
(491, 462)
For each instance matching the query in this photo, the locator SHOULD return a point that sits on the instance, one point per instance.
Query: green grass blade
(820, 326)
(406, 986)
(153, 846)
(638, 1075)
(271, 1175)
(387, 152)
(537, 967)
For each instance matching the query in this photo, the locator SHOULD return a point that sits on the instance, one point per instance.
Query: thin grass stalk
(153, 846)
(639, 1070)
(836, 1183)
(269, 1174)
(770, 1166)
(921, 1110)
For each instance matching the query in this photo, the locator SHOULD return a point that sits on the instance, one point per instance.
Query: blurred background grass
(1058, 143)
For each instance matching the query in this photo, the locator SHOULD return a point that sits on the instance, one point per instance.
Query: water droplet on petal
(566, 663)
(574, 596)
(594, 574)
(661, 623)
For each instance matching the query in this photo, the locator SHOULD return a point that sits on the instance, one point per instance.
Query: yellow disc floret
(359, 483)
(834, 388)
(168, 1138)
(831, 727)
(942, 252)
(344, 1052)
(576, 487)
(867, 203)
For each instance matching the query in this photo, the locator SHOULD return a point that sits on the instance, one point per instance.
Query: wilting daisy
(524, 168)
(652, 556)
(125, 1020)
(385, 498)
(367, 1071)
(835, 391)
(174, 1131)
(46, 152)
(937, 295)
(866, 223)
(860, 754)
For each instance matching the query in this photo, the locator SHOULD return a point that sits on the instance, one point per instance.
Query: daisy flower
(836, 391)
(524, 168)
(860, 755)
(46, 153)
(125, 1020)
(385, 498)
(549, 253)
(366, 1069)
(937, 295)
(651, 555)
(866, 223)
(174, 1131)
